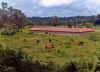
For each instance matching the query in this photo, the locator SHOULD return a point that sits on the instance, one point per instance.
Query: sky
(62, 8)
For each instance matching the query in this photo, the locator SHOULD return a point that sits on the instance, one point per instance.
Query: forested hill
(66, 20)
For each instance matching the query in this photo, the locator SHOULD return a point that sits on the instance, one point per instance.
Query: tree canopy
(10, 16)
(11, 19)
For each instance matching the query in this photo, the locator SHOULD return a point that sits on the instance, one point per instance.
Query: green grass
(66, 48)
(97, 27)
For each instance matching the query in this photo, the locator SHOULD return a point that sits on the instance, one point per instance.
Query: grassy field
(66, 48)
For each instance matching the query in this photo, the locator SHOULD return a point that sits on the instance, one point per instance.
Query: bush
(89, 25)
(17, 61)
(9, 30)
(9, 60)
(81, 43)
(94, 37)
(78, 67)
(71, 67)
(7, 69)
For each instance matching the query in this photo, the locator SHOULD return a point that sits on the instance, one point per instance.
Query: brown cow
(49, 46)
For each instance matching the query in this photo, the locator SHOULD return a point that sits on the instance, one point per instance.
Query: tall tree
(11, 17)
(54, 21)
(4, 5)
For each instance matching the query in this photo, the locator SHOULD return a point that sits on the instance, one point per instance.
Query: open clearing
(66, 48)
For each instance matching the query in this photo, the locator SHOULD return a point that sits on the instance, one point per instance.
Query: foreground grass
(66, 48)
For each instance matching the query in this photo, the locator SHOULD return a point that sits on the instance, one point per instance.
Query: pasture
(66, 48)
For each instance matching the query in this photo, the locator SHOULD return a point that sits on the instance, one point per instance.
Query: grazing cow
(49, 46)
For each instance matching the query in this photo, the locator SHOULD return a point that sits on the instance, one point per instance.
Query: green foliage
(16, 61)
(67, 48)
(94, 37)
(71, 67)
(11, 16)
(88, 25)
(9, 30)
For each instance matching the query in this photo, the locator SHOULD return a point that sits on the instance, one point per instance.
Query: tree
(69, 24)
(11, 17)
(10, 10)
(19, 18)
(4, 5)
(54, 21)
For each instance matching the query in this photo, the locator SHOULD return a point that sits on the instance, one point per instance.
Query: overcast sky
(56, 7)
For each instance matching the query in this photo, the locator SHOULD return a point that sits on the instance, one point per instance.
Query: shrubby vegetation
(9, 30)
(11, 20)
(20, 51)
(17, 61)
(94, 37)
(89, 25)
(81, 55)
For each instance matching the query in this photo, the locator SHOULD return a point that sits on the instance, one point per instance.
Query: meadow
(66, 48)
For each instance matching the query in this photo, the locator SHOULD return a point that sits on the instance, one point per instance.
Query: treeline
(11, 19)
(75, 21)
(18, 61)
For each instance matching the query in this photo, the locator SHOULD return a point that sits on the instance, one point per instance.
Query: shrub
(89, 25)
(7, 69)
(58, 51)
(94, 37)
(17, 61)
(9, 59)
(97, 69)
(1, 45)
(71, 67)
(78, 67)
(9, 30)
(81, 43)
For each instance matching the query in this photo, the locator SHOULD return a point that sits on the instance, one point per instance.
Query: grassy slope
(62, 52)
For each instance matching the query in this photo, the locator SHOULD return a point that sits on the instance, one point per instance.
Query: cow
(49, 46)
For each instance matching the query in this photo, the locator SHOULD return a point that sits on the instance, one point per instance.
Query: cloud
(94, 2)
(56, 7)
(72, 8)
(66, 7)
(93, 6)
(53, 3)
